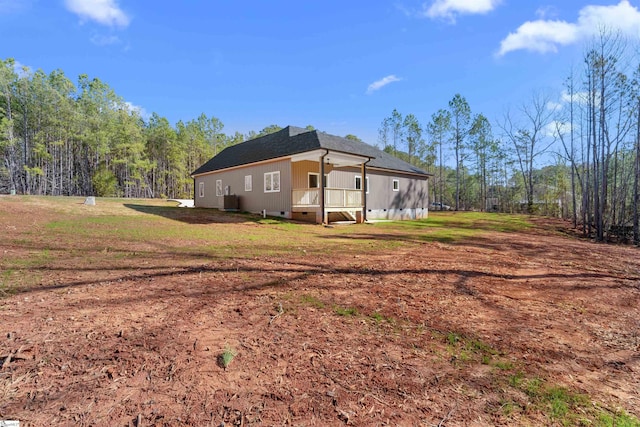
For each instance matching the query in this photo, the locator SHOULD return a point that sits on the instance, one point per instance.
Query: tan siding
(300, 172)
(344, 178)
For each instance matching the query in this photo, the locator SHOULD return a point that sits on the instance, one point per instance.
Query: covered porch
(337, 196)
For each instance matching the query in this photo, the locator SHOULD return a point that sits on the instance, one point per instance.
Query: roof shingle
(294, 140)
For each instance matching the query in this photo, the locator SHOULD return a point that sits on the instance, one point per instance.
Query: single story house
(279, 175)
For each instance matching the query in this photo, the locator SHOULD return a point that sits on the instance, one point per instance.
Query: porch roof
(296, 142)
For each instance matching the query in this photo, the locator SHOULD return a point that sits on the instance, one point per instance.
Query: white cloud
(554, 106)
(540, 36)
(132, 108)
(547, 36)
(579, 98)
(105, 12)
(101, 40)
(449, 9)
(21, 70)
(381, 83)
(557, 128)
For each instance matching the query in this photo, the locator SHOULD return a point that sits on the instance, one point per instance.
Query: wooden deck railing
(333, 197)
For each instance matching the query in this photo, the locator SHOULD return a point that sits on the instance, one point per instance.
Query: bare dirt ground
(425, 333)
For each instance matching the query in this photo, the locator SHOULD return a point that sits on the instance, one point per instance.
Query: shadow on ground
(193, 215)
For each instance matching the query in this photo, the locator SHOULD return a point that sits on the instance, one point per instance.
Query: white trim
(395, 184)
(248, 183)
(219, 189)
(355, 184)
(366, 183)
(271, 183)
(317, 175)
(201, 189)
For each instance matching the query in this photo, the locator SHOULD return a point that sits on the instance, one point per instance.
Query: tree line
(577, 157)
(61, 138)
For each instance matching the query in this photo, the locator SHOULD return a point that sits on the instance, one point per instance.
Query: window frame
(317, 175)
(272, 180)
(366, 183)
(248, 183)
(219, 188)
(395, 184)
(201, 189)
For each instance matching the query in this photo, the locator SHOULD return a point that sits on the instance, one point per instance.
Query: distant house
(280, 175)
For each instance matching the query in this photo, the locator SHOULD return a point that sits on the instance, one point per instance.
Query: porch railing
(333, 197)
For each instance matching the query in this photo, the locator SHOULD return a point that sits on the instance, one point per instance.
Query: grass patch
(503, 365)
(7, 285)
(563, 406)
(449, 227)
(226, 357)
(617, 419)
(379, 318)
(345, 311)
(312, 301)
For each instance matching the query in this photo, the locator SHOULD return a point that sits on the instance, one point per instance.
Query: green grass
(562, 406)
(345, 311)
(226, 357)
(617, 419)
(312, 301)
(450, 227)
(7, 284)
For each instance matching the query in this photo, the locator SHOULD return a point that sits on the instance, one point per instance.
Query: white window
(219, 188)
(272, 182)
(313, 180)
(201, 189)
(358, 185)
(248, 183)
(396, 185)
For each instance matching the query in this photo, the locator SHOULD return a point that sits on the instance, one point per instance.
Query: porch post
(321, 179)
(363, 172)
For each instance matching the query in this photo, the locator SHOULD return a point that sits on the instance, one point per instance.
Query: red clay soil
(361, 340)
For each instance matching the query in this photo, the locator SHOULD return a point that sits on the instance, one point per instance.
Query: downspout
(364, 190)
(321, 179)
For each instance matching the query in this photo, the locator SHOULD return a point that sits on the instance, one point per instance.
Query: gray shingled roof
(293, 140)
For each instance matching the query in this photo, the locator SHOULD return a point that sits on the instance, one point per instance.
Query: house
(279, 175)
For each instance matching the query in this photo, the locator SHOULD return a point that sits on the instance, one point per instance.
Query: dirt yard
(106, 322)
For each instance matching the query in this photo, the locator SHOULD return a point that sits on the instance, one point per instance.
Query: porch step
(340, 216)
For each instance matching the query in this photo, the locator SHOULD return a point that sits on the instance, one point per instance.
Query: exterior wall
(276, 203)
(344, 177)
(300, 172)
(411, 201)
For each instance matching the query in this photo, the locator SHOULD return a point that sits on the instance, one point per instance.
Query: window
(358, 185)
(396, 185)
(313, 180)
(219, 187)
(248, 184)
(201, 189)
(272, 182)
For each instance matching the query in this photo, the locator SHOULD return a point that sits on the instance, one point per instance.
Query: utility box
(231, 203)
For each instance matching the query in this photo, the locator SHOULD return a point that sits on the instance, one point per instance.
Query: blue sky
(341, 66)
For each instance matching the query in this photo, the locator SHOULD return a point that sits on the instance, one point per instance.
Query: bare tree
(528, 131)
